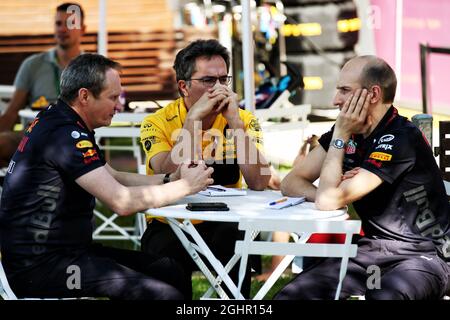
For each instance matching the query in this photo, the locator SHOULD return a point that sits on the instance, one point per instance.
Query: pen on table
(215, 189)
(278, 201)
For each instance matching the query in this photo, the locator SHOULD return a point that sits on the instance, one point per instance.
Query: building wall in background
(423, 21)
(36, 17)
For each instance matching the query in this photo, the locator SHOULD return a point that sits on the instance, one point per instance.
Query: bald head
(375, 71)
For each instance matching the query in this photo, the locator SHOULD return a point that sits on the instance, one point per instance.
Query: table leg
(216, 264)
(199, 246)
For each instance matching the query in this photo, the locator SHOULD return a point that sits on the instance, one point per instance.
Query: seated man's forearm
(253, 164)
(294, 186)
(329, 195)
(167, 166)
(134, 179)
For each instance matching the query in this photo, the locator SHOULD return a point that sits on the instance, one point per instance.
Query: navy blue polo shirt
(43, 210)
(411, 204)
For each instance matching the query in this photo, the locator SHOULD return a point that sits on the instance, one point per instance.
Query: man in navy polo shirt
(49, 195)
(380, 162)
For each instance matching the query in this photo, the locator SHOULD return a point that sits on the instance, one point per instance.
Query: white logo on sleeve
(11, 166)
(386, 138)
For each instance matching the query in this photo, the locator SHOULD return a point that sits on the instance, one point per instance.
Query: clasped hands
(218, 99)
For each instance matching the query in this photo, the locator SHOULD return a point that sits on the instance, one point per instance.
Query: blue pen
(278, 201)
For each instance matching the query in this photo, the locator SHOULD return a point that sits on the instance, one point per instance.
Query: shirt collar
(50, 56)
(67, 110)
(182, 110)
(390, 115)
(386, 120)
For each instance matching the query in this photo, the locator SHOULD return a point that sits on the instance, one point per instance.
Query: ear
(183, 87)
(84, 96)
(377, 94)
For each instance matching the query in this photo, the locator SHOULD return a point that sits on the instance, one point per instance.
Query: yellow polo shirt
(159, 133)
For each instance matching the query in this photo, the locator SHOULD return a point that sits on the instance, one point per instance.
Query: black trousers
(103, 272)
(409, 271)
(159, 239)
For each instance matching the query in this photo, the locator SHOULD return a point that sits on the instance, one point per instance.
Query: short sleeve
(74, 152)
(325, 139)
(253, 129)
(391, 155)
(153, 137)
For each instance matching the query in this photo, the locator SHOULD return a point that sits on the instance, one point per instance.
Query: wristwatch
(166, 178)
(338, 143)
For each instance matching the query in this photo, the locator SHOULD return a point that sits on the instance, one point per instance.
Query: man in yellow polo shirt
(204, 123)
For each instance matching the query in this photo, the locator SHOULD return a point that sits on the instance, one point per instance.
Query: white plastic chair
(299, 248)
(5, 290)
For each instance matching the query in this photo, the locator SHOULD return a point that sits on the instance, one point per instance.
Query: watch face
(339, 143)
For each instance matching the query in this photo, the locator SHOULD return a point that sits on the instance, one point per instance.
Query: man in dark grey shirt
(37, 81)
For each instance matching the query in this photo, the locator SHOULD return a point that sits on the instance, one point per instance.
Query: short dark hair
(85, 71)
(185, 60)
(378, 72)
(63, 8)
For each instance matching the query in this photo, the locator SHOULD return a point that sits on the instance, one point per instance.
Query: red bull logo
(89, 153)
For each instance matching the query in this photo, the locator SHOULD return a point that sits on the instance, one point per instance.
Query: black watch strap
(166, 178)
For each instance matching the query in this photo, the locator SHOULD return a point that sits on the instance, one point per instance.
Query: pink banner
(424, 21)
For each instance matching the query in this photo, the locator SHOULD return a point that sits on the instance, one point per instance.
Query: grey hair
(85, 71)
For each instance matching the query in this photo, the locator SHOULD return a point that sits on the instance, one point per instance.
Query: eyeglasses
(211, 81)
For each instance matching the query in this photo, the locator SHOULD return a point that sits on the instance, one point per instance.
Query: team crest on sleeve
(254, 125)
(350, 148)
(150, 141)
(30, 128)
(148, 144)
(89, 156)
(89, 153)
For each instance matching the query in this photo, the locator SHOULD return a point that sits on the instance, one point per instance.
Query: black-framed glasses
(211, 81)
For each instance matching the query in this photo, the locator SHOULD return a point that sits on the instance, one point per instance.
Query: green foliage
(200, 285)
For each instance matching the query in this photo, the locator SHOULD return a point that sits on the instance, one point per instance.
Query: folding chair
(444, 161)
(300, 248)
(444, 153)
(5, 290)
